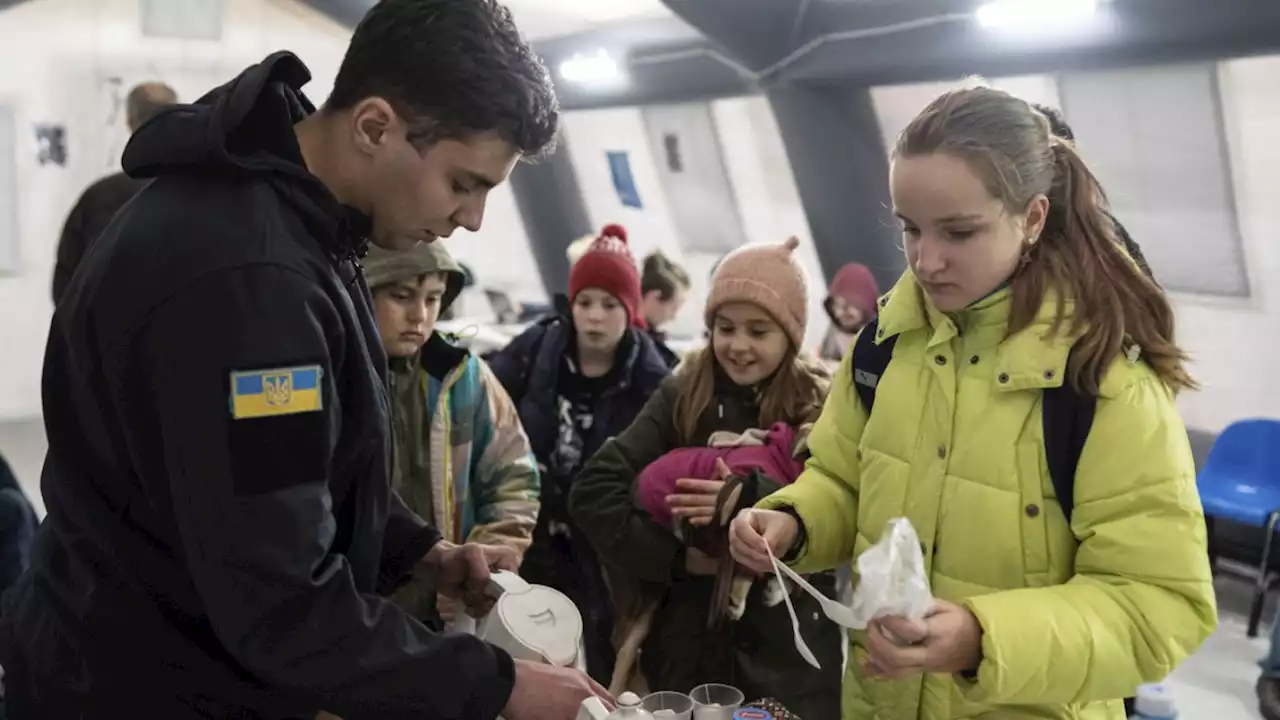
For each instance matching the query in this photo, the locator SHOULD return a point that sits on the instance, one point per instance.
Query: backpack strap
(869, 363)
(1068, 416)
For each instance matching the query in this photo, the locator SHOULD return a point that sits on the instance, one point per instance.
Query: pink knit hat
(768, 276)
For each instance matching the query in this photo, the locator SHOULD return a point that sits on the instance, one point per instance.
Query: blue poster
(623, 182)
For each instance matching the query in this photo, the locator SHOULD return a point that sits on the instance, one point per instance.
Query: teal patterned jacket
(462, 459)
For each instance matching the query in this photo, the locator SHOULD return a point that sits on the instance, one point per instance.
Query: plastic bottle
(1155, 702)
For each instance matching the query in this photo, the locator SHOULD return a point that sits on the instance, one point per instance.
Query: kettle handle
(500, 582)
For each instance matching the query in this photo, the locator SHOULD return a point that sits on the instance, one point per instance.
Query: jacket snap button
(1033, 510)
(880, 332)
(1048, 374)
(884, 301)
(940, 360)
(942, 451)
(973, 360)
(1004, 378)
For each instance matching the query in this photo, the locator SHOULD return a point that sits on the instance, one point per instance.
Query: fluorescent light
(1035, 13)
(596, 69)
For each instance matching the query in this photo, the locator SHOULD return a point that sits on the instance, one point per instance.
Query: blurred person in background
(461, 458)
(578, 380)
(664, 285)
(850, 304)
(1046, 604)
(101, 200)
(221, 534)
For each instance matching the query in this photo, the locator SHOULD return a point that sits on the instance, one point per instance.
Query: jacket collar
(1032, 358)
(439, 357)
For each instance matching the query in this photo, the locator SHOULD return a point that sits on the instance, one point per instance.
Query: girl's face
(961, 242)
(599, 319)
(747, 342)
(407, 313)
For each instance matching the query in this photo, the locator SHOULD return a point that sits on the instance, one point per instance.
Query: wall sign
(623, 182)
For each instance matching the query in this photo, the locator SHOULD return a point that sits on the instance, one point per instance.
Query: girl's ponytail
(1116, 303)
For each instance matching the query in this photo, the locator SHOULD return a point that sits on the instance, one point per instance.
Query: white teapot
(531, 622)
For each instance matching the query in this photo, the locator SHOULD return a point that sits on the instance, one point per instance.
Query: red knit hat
(855, 283)
(609, 265)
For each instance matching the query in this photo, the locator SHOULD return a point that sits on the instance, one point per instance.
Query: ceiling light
(1006, 14)
(596, 69)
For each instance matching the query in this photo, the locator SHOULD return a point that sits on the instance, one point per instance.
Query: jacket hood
(247, 127)
(383, 267)
(245, 124)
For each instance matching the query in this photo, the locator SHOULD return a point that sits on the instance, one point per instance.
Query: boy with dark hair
(221, 533)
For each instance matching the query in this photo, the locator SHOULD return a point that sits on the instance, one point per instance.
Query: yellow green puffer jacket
(1073, 618)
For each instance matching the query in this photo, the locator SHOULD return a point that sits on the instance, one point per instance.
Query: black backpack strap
(1068, 416)
(869, 363)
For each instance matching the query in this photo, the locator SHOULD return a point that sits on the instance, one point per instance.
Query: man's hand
(462, 571)
(547, 692)
(448, 609)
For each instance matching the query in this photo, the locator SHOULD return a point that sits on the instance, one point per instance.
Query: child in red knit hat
(578, 379)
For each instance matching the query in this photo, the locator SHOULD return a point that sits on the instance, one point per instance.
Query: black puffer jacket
(755, 654)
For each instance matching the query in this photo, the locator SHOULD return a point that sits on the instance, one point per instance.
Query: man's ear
(372, 120)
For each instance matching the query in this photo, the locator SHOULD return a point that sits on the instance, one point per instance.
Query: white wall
(766, 193)
(57, 55)
(1234, 345)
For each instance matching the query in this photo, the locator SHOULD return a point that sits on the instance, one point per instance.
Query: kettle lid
(629, 708)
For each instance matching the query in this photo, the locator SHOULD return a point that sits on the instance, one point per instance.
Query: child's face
(599, 319)
(846, 314)
(407, 313)
(747, 342)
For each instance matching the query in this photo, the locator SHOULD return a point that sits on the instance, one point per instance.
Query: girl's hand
(696, 499)
(948, 641)
(755, 533)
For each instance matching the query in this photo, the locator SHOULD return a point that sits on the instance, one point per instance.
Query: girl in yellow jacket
(1012, 263)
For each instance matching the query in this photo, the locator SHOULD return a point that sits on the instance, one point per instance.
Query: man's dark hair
(450, 69)
(1057, 124)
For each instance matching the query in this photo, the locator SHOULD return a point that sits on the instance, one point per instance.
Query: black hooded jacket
(220, 522)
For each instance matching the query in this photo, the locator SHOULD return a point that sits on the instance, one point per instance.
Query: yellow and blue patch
(282, 391)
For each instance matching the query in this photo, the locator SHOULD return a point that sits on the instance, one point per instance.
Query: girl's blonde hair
(793, 395)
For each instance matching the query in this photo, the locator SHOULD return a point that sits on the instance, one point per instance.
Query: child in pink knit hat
(753, 379)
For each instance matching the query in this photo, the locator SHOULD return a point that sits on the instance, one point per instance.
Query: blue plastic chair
(1241, 482)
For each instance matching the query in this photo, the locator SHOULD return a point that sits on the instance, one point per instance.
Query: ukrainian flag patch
(282, 391)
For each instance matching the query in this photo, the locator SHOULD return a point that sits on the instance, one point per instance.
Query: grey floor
(1217, 682)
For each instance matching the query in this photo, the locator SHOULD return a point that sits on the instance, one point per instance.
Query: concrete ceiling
(538, 19)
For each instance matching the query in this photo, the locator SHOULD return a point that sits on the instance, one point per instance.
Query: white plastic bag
(891, 582)
(891, 577)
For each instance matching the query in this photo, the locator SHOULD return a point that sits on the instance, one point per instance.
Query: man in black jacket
(220, 530)
(102, 200)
